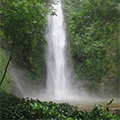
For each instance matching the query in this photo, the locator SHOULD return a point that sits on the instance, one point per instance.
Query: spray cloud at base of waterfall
(24, 86)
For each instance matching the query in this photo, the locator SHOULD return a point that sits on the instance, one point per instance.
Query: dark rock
(116, 109)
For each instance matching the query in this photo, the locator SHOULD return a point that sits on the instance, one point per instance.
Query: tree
(23, 24)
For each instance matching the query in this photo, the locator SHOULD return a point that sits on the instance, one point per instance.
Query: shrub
(13, 108)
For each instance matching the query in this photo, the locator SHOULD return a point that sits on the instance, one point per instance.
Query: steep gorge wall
(93, 34)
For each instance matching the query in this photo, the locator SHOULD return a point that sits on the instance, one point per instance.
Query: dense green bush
(13, 108)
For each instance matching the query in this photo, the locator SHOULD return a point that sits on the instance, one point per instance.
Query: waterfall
(59, 80)
(56, 60)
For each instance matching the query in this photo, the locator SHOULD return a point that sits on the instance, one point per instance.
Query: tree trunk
(8, 63)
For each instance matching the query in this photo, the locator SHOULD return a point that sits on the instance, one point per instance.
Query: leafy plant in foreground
(13, 108)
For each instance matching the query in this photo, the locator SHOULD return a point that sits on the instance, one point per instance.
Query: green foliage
(3, 61)
(110, 102)
(24, 21)
(15, 108)
(92, 27)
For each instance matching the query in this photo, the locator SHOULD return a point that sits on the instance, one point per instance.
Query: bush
(13, 108)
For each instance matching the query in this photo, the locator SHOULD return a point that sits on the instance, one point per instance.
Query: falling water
(57, 72)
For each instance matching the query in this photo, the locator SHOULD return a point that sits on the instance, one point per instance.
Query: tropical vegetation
(93, 32)
(13, 108)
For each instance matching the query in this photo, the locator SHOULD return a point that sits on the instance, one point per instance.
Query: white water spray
(58, 76)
